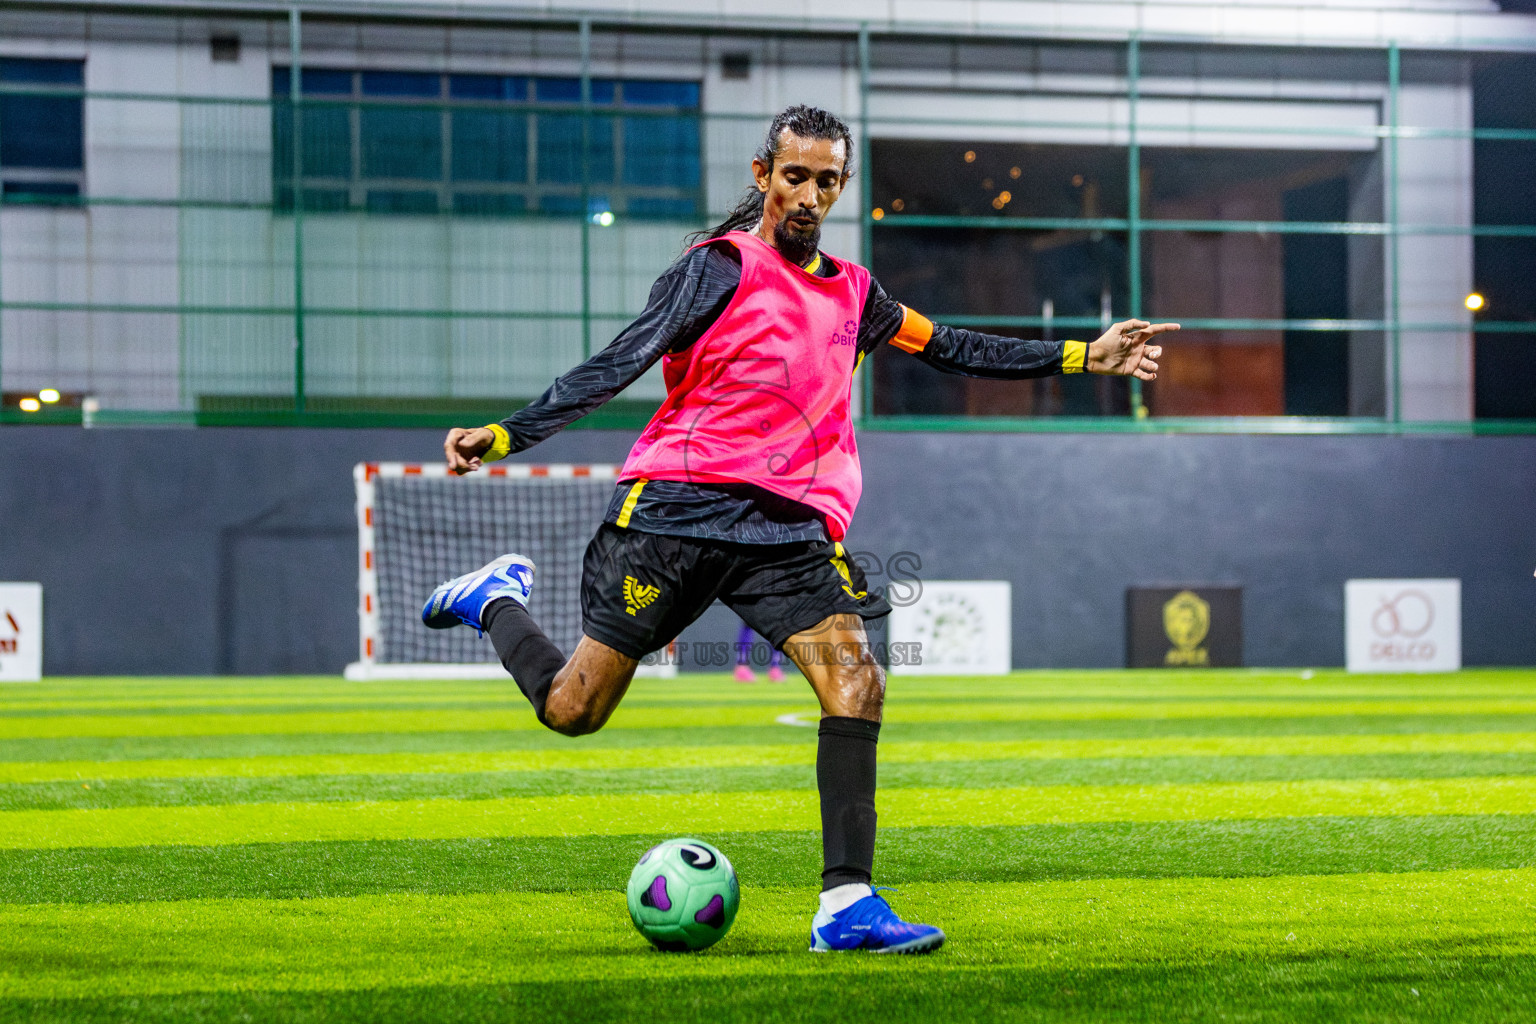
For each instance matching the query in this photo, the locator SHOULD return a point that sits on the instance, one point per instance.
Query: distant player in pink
(744, 483)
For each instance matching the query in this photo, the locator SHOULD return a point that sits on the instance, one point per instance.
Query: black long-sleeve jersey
(684, 303)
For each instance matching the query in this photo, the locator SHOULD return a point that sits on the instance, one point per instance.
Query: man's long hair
(805, 122)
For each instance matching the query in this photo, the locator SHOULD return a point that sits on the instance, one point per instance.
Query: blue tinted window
(568, 90)
(394, 155)
(559, 90)
(42, 131)
(401, 83)
(661, 151)
(489, 204)
(327, 142)
(490, 145)
(316, 82)
(401, 142)
(673, 209)
(42, 191)
(661, 94)
(561, 204)
(25, 70)
(324, 200)
(488, 87)
(560, 149)
(397, 201)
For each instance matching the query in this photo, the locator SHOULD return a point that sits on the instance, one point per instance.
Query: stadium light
(30, 404)
(1475, 302)
(49, 395)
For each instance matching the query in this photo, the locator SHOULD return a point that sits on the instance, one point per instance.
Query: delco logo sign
(21, 632)
(1402, 625)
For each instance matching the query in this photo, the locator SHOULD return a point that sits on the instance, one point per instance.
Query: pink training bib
(763, 397)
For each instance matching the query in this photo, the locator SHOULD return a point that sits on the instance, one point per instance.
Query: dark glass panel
(661, 151)
(661, 94)
(561, 204)
(1220, 373)
(488, 87)
(1000, 179)
(327, 141)
(316, 82)
(42, 131)
(568, 90)
(1316, 274)
(489, 204)
(559, 159)
(31, 71)
(400, 201)
(402, 142)
(490, 145)
(61, 192)
(402, 83)
(663, 209)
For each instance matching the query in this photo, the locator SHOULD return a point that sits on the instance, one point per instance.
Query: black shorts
(640, 590)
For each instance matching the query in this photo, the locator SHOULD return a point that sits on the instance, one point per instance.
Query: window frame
(61, 186)
(534, 195)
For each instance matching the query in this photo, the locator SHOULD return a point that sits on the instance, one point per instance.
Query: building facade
(451, 203)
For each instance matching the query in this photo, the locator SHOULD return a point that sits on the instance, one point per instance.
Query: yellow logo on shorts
(637, 595)
(841, 566)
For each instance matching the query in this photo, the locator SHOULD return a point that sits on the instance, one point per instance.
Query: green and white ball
(683, 895)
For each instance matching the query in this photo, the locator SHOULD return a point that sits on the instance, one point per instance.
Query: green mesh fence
(422, 248)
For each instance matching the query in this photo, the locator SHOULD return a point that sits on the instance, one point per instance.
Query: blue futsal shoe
(872, 925)
(463, 599)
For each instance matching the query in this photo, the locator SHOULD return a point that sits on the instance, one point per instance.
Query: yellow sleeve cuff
(501, 447)
(1073, 355)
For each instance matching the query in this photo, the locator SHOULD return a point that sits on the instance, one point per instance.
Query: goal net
(420, 525)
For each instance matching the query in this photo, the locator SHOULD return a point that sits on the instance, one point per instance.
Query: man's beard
(796, 247)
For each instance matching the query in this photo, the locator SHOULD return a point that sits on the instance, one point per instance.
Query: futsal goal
(418, 525)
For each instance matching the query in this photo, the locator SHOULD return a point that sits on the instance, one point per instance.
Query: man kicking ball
(743, 484)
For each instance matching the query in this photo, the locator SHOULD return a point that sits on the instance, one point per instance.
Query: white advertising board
(954, 628)
(1402, 625)
(21, 632)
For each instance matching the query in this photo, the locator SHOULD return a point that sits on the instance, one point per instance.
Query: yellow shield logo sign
(1187, 620)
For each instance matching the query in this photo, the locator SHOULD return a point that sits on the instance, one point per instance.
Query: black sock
(845, 775)
(523, 648)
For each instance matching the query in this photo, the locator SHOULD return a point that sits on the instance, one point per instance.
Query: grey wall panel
(1073, 520)
(204, 551)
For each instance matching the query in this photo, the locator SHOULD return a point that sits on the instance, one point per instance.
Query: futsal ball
(683, 895)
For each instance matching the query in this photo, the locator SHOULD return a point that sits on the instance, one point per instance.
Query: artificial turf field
(1216, 846)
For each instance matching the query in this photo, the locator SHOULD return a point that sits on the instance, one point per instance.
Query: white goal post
(418, 525)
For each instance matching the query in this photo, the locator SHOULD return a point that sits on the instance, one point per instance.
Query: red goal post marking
(365, 473)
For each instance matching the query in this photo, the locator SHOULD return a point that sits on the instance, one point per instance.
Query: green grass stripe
(122, 748)
(403, 940)
(719, 756)
(1281, 846)
(991, 774)
(1107, 683)
(1385, 986)
(630, 717)
(618, 814)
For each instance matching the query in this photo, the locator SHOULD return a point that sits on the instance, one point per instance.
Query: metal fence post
(1133, 200)
(866, 201)
(586, 187)
(295, 93)
(1395, 358)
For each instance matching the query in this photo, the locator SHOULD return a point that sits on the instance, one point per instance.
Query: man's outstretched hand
(465, 446)
(1123, 350)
